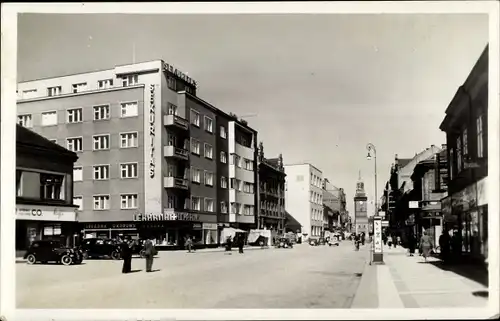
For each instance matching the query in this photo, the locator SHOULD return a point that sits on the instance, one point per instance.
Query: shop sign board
(377, 235)
(413, 204)
(167, 216)
(209, 226)
(45, 213)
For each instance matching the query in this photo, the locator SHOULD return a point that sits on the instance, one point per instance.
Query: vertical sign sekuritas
(152, 121)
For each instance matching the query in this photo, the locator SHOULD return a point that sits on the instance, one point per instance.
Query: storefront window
(210, 236)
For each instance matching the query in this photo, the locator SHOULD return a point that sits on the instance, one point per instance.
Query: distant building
(360, 208)
(304, 197)
(272, 193)
(466, 125)
(334, 206)
(44, 191)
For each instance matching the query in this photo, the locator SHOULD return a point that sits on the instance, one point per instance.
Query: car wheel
(31, 259)
(66, 260)
(85, 255)
(115, 255)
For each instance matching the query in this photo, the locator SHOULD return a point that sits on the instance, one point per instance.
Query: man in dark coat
(149, 253)
(412, 243)
(444, 245)
(126, 253)
(241, 243)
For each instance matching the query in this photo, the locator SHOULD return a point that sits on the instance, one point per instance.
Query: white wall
(297, 195)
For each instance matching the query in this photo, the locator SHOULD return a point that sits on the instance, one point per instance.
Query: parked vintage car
(284, 242)
(52, 251)
(101, 248)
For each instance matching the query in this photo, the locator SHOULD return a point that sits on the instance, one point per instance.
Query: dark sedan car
(52, 251)
(99, 248)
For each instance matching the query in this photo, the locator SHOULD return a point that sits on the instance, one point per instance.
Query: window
(101, 172)
(209, 150)
(195, 146)
(171, 83)
(195, 118)
(101, 112)
(30, 93)
(248, 187)
(247, 209)
(128, 201)
(223, 207)
(77, 173)
(104, 84)
(195, 176)
(49, 118)
(480, 144)
(77, 88)
(196, 203)
(75, 115)
(171, 109)
(129, 109)
(130, 80)
(101, 202)
(236, 184)
(25, 120)
(128, 170)
(128, 140)
(465, 146)
(209, 124)
(78, 200)
(452, 163)
(51, 187)
(74, 144)
(171, 139)
(209, 205)
(459, 154)
(54, 91)
(223, 157)
(101, 142)
(248, 164)
(171, 200)
(209, 178)
(223, 132)
(235, 160)
(223, 182)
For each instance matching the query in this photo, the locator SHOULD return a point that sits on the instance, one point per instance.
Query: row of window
(208, 153)
(101, 142)
(317, 214)
(316, 180)
(209, 181)
(75, 115)
(458, 160)
(101, 172)
(128, 80)
(315, 198)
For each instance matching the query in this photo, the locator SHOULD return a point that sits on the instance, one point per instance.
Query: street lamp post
(377, 255)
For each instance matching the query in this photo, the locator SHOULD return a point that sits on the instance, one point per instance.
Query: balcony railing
(172, 151)
(175, 182)
(176, 121)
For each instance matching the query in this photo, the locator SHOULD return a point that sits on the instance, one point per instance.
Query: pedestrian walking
(188, 244)
(228, 244)
(126, 254)
(149, 253)
(389, 241)
(444, 245)
(456, 246)
(412, 243)
(384, 238)
(426, 244)
(398, 240)
(241, 243)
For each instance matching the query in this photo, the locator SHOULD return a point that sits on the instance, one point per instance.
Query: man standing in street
(241, 243)
(150, 252)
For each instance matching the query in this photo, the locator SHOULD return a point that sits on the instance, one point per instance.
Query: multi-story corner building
(304, 197)
(154, 159)
(465, 208)
(44, 191)
(334, 205)
(272, 193)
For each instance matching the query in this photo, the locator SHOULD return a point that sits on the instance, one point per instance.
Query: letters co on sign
(152, 122)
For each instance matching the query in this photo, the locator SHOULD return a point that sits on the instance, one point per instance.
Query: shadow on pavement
(482, 294)
(473, 272)
(134, 271)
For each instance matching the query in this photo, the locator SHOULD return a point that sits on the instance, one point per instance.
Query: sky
(317, 88)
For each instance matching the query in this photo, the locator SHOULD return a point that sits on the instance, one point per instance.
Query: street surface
(302, 277)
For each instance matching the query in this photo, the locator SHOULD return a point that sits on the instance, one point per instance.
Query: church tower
(360, 207)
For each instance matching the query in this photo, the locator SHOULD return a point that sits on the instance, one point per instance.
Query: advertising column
(377, 240)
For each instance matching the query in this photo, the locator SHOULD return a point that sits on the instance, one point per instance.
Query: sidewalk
(408, 282)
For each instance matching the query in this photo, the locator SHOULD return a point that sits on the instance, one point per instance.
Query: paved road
(303, 277)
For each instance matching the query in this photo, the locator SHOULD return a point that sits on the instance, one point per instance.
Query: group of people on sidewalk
(239, 240)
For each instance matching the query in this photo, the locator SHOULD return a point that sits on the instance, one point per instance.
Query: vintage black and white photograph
(246, 160)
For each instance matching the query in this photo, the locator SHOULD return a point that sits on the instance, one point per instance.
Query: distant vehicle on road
(101, 248)
(285, 243)
(52, 251)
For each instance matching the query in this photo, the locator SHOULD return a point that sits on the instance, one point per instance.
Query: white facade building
(304, 197)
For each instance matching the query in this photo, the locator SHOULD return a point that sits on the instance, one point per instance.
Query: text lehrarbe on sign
(167, 216)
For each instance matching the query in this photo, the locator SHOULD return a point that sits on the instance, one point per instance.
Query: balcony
(175, 121)
(176, 152)
(175, 182)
